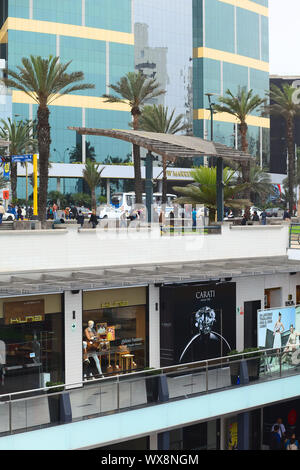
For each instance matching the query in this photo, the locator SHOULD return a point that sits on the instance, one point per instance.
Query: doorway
(250, 323)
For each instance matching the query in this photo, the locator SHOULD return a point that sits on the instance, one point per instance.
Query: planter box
(60, 408)
(152, 388)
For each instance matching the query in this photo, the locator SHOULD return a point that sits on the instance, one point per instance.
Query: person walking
(93, 219)
(194, 219)
(2, 212)
(54, 209)
(276, 440)
(80, 219)
(279, 423)
(19, 212)
(264, 217)
(255, 217)
(172, 216)
(286, 215)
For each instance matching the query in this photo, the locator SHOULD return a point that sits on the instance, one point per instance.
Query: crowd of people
(19, 212)
(263, 217)
(281, 439)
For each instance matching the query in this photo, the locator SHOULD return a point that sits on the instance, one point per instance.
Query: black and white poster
(197, 322)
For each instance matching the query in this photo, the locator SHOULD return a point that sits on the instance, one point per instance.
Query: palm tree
(136, 90)
(283, 104)
(157, 119)
(44, 81)
(92, 176)
(204, 190)
(20, 136)
(260, 184)
(240, 106)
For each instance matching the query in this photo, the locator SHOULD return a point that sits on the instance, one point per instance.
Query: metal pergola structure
(110, 277)
(171, 146)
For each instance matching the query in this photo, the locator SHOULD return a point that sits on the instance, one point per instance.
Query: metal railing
(294, 236)
(35, 409)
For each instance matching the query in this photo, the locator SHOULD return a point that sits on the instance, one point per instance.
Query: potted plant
(234, 364)
(57, 402)
(253, 362)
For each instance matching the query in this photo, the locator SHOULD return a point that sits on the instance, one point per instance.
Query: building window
(31, 343)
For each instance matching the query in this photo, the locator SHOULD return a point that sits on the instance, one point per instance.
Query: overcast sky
(285, 37)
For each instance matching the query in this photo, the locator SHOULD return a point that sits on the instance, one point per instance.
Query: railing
(35, 409)
(294, 239)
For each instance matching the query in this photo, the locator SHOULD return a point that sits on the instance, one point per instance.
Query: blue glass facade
(231, 50)
(97, 36)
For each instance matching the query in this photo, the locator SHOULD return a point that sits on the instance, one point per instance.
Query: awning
(54, 281)
(169, 145)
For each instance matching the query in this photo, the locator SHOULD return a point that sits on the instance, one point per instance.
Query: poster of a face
(274, 326)
(197, 322)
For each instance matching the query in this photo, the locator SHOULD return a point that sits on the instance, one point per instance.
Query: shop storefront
(114, 331)
(197, 322)
(31, 342)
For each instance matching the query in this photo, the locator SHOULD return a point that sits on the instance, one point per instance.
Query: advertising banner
(197, 322)
(275, 326)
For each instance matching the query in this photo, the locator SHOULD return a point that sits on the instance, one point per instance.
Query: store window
(273, 297)
(31, 343)
(114, 335)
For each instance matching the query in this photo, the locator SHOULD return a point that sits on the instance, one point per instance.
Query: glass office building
(163, 50)
(231, 50)
(97, 36)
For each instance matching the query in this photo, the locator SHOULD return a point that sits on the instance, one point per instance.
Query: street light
(212, 112)
(220, 164)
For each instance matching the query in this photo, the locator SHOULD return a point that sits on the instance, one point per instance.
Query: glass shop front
(31, 342)
(114, 331)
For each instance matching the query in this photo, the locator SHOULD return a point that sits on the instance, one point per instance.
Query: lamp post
(219, 165)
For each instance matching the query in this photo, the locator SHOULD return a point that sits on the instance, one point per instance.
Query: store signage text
(26, 319)
(203, 295)
(117, 303)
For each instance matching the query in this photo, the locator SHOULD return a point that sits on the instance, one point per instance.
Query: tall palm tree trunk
(44, 141)
(291, 164)
(245, 166)
(94, 202)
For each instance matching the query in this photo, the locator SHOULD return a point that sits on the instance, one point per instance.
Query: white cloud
(284, 37)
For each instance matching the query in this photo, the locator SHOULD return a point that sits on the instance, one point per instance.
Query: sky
(284, 37)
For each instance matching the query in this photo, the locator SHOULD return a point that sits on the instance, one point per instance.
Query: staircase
(7, 226)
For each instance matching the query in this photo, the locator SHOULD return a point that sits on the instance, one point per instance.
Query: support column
(153, 442)
(149, 185)
(108, 191)
(58, 185)
(244, 418)
(154, 327)
(73, 336)
(220, 190)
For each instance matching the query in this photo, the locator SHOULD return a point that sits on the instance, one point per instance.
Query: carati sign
(23, 312)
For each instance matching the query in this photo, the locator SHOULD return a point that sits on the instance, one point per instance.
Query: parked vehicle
(274, 212)
(122, 202)
(8, 217)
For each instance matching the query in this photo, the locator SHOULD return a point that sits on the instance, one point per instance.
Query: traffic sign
(22, 158)
(5, 194)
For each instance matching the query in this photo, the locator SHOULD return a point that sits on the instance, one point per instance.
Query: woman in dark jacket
(93, 218)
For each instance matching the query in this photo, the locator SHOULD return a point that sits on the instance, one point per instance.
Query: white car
(109, 212)
(8, 217)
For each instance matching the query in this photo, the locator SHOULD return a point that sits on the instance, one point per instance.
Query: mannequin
(91, 336)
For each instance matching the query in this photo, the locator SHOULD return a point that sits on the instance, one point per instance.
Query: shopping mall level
(221, 292)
